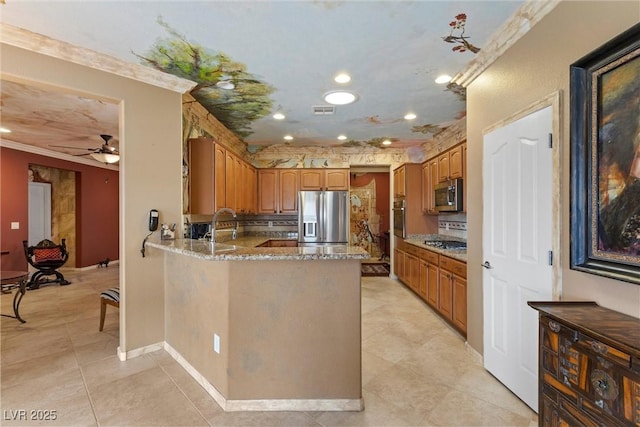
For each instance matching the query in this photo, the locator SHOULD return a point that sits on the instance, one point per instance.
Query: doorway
(520, 223)
(60, 207)
(369, 216)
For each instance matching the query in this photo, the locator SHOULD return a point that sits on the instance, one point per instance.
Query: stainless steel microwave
(448, 196)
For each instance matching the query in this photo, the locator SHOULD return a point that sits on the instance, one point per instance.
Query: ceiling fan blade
(73, 148)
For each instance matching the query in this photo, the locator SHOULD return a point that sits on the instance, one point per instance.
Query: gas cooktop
(446, 244)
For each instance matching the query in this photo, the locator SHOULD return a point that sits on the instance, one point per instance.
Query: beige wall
(282, 336)
(150, 172)
(537, 66)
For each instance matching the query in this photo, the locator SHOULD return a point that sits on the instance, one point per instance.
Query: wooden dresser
(589, 365)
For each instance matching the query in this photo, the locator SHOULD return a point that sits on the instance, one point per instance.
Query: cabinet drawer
(456, 267)
(413, 250)
(430, 257)
(591, 345)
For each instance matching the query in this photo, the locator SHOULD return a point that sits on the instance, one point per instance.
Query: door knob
(487, 265)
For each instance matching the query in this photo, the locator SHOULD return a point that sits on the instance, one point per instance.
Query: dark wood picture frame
(605, 159)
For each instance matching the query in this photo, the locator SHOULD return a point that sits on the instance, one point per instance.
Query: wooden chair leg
(103, 312)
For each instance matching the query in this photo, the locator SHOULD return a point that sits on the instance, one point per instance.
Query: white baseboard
(265, 404)
(139, 351)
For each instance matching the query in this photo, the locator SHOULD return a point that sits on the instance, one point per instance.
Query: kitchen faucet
(234, 232)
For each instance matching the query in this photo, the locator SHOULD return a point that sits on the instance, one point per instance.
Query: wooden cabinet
(399, 181)
(588, 365)
(439, 280)
(218, 178)
(324, 179)
(277, 191)
(220, 182)
(450, 164)
(250, 190)
(201, 176)
(453, 292)
(429, 179)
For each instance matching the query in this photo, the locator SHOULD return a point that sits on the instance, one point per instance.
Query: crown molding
(529, 14)
(25, 39)
(4, 143)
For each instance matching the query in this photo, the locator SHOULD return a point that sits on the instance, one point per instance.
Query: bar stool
(109, 296)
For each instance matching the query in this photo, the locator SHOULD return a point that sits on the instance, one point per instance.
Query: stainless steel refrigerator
(323, 217)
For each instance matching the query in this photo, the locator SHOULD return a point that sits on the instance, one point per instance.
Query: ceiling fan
(105, 153)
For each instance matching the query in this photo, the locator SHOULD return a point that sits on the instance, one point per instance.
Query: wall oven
(448, 196)
(399, 218)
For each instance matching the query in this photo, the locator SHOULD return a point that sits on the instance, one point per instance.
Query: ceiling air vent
(324, 110)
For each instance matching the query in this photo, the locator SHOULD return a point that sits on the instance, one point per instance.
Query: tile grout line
(184, 394)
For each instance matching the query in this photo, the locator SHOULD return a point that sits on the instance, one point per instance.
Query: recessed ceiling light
(342, 137)
(386, 142)
(278, 116)
(442, 79)
(4, 130)
(410, 116)
(288, 137)
(340, 97)
(342, 78)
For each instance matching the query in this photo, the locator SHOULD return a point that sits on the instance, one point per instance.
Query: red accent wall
(97, 219)
(382, 194)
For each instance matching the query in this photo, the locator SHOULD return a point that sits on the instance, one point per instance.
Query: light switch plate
(15, 226)
(216, 343)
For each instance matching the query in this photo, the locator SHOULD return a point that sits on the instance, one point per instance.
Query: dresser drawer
(591, 345)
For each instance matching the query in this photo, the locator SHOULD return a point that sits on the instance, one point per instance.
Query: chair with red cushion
(46, 257)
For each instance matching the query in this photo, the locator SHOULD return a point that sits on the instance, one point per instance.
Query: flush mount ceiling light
(342, 78)
(443, 78)
(342, 137)
(288, 137)
(278, 116)
(340, 97)
(225, 84)
(410, 116)
(386, 142)
(4, 130)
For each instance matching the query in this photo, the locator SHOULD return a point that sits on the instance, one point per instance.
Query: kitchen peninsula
(266, 328)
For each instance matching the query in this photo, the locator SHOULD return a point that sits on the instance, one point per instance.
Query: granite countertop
(459, 254)
(244, 249)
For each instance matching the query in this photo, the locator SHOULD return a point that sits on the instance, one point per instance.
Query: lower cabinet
(439, 280)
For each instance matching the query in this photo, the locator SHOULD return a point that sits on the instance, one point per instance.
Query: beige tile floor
(416, 371)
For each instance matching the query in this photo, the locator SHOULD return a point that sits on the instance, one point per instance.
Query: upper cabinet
(324, 179)
(450, 164)
(219, 179)
(278, 191)
(429, 179)
(201, 176)
(399, 186)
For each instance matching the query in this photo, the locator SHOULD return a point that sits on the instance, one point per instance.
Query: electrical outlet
(270, 223)
(216, 343)
(15, 226)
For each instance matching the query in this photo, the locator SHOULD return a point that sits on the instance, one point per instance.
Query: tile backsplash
(454, 225)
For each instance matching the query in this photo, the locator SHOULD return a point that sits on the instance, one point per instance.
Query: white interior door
(39, 212)
(517, 244)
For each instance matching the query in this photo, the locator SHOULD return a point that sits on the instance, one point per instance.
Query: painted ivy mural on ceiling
(224, 87)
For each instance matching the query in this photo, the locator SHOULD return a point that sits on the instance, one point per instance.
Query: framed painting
(605, 159)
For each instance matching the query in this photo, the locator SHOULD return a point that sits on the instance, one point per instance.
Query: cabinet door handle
(554, 326)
